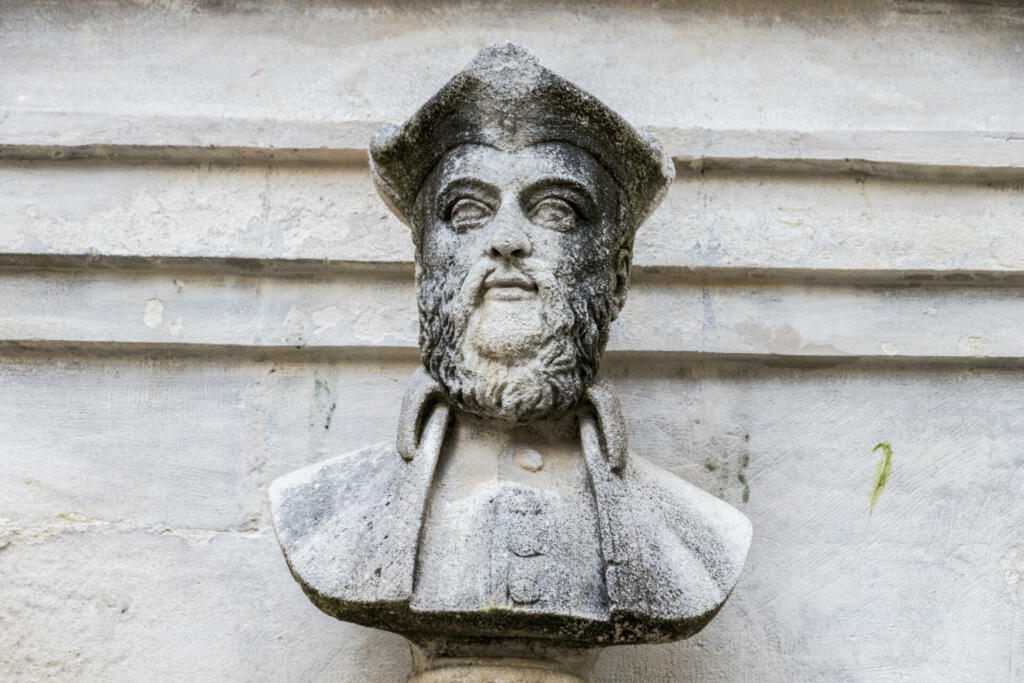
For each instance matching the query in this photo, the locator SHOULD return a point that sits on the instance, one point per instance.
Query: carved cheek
(437, 246)
(582, 251)
(545, 245)
(467, 247)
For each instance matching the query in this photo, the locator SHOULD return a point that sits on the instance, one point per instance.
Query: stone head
(523, 194)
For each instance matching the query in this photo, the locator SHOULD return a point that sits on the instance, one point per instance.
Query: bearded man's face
(521, 269)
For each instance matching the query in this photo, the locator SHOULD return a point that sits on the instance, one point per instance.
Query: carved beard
(538, 375)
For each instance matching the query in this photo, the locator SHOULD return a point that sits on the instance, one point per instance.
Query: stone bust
(509, 506)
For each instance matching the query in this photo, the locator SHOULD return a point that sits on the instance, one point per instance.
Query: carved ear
(611, 425)
(622, 262)
(420, 398)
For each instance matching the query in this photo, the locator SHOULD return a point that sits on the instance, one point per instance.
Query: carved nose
(509, 241)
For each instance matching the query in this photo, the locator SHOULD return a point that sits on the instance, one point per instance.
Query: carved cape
(350, 528)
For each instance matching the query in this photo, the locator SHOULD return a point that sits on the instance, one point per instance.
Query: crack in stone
(74, 523)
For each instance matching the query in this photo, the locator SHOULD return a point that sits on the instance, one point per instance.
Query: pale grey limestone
(509, 519)
(662, 554)
(178, 434)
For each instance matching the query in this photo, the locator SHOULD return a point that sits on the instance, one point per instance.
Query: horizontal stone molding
(640, 272)
(284, 216)
(364, 310)
(962, 155)
(72, 350)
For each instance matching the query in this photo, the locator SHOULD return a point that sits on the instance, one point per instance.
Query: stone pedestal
(500, 662)
(495, 671)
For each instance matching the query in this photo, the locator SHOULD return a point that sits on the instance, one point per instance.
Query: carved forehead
(519, 168)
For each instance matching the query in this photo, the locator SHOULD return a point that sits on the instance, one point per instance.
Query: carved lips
(509, 286)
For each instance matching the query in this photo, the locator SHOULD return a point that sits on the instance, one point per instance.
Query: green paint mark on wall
(330, 414)
(882, 472)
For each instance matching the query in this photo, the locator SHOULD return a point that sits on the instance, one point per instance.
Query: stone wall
(200, 290)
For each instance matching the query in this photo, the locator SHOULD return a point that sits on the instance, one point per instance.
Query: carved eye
(554, 213)
(468, 213)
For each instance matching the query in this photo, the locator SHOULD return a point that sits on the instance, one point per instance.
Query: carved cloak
(350, 529)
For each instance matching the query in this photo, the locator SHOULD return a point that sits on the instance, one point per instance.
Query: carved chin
(517, 392)
(507, 332)
(510, 355)
(512, 364)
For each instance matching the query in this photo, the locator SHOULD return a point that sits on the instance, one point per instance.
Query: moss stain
(72, 517)
(729, 465)
(330, 414)
(740, 476)
(882, 472)
(321, 397)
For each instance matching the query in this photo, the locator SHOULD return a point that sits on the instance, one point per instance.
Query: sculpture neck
(538, 434)
(442, 661)
(545, 454)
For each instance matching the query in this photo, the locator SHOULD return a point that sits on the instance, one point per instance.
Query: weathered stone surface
(119, 585)
(510, 510)
(524, 662)
(349, 528)
(180, 433)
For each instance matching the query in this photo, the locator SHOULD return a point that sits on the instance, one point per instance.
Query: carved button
(524, 586)
(522, 501)
(529, 460)
(526, 542)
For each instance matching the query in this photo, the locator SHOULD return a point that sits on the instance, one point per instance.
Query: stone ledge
(405, 270)
(967, 155)
(366, 310)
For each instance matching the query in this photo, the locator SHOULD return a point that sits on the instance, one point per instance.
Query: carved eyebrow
(474, 187)
(575, 191)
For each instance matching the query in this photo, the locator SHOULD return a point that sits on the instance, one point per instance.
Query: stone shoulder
(348, 527)
(320, 515)
(313, 493)
(676, 494)
(694, 544)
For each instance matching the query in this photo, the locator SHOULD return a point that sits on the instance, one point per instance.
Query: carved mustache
(509, 278)
(464, 295)
(485, 274)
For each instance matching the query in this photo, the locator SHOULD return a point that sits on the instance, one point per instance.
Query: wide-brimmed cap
(504, 98)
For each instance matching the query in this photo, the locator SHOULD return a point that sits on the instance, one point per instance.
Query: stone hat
(504, 98)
